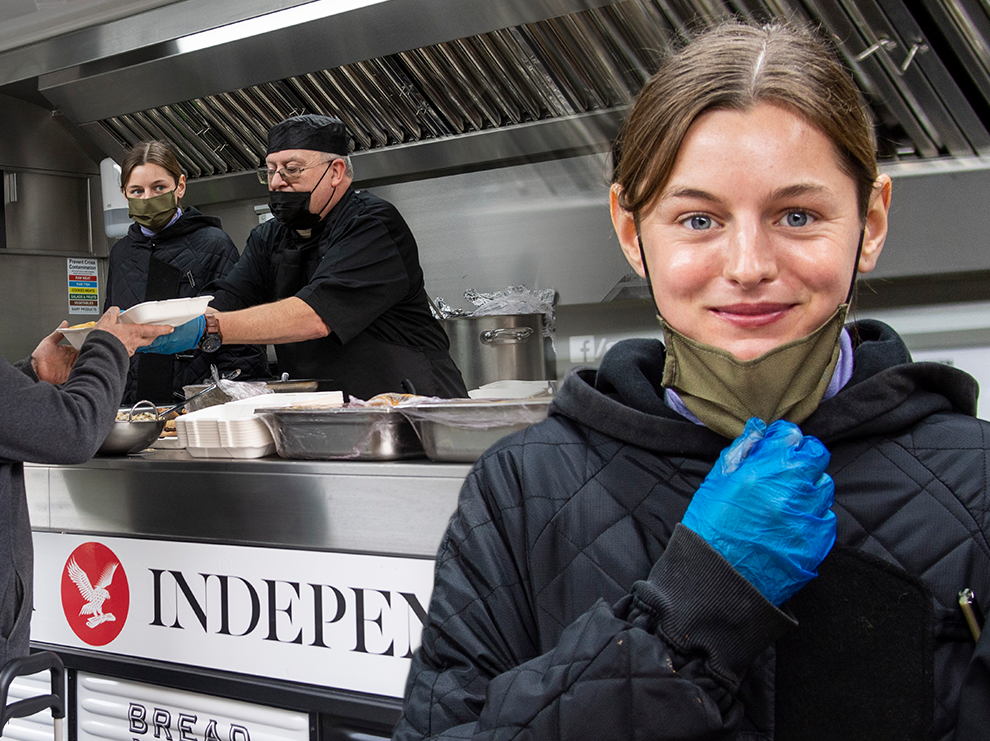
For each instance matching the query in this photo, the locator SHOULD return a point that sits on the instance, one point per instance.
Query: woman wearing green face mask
(758, 528)
(170, 251)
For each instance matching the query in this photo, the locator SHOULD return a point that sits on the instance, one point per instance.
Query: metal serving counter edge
(384, 508)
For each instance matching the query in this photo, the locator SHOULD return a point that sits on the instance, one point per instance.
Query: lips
(752, 314)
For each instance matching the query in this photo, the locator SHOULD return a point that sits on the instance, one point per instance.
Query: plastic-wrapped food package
(463, 430)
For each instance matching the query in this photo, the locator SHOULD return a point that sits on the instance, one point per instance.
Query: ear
(875, 232)
(338, 171)
(625, 229)
(180, 189)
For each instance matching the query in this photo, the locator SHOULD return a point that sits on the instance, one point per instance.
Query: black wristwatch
(212, 339)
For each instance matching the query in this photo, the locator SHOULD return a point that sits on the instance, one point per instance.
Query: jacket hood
(191, 220)
(887, 392)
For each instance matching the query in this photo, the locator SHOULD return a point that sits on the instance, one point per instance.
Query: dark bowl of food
(134, 430)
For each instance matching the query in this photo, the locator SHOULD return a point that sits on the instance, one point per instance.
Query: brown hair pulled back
(735, 66)
(154, 152)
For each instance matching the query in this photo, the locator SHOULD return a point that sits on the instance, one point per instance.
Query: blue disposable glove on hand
(765, 507)
(185, 337)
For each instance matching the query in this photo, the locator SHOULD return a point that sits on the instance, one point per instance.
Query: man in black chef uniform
(334, 280)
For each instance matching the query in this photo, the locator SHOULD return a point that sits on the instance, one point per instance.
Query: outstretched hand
(132, 336)
(185, 337)
(51, 361)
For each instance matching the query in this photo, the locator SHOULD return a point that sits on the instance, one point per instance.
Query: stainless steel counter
(397, 508)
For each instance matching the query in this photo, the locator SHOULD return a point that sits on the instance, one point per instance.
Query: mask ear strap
(646, 268)
(852, 284)
(334, 191)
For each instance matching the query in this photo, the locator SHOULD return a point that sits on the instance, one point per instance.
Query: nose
(277, 183)
(750, 258)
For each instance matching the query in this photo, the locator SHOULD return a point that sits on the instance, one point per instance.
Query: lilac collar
(148, 233)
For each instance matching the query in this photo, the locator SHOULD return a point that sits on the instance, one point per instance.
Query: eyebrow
(291, 161)
(702, 195)
(800, 189)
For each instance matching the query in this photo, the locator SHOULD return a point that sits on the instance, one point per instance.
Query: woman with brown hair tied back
(170, 251)
(759, 527)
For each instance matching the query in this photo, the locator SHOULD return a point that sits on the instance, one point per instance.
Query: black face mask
(291, 208)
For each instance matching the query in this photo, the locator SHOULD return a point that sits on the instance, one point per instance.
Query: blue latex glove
(765, 507)
(185, 337)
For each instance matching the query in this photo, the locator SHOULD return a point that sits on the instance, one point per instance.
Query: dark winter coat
(192, 252)
(44, 424)
(570, 604)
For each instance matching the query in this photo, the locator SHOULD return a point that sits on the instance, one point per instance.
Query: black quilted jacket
(570, 604)
(201, 251)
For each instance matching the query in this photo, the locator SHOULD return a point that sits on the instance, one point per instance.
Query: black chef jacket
(359, 271)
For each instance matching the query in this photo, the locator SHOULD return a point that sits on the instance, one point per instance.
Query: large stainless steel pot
(499, 348)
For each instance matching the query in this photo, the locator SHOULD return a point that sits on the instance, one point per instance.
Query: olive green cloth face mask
(153, 213)
(787, 382)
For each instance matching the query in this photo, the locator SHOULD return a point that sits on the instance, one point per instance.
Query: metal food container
(350, 433)
(499, 347)
(462, 430)
(132, 436)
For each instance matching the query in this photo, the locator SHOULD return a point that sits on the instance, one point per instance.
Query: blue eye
(700, 223)
(797, 218)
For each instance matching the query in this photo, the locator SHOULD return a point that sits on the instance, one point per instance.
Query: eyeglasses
(289, 174)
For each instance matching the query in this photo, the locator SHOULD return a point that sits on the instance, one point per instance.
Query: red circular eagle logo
(95, 595)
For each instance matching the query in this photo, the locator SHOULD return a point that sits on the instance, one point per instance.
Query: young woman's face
(149, 180)
(753, 241)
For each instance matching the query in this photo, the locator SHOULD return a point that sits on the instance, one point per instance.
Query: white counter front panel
(330, 619)
(113, 709)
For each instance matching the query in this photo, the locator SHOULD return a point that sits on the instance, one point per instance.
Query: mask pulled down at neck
(153, 213)
(787, 382)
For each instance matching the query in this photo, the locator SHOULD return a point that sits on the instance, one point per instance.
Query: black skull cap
(309, 131)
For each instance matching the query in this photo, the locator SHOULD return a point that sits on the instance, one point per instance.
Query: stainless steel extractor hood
(443, 86)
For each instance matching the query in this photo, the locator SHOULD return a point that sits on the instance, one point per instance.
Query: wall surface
(939, 223)
(56, 216)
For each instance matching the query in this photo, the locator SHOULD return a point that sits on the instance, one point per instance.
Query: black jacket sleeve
(668, 658)
(42, 423)
(247, 283)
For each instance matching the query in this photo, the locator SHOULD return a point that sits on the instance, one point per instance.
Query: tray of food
(134, 429)
(140, 427)
(173, 311)
(461, 430)
(77, 333)
(375, 433)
